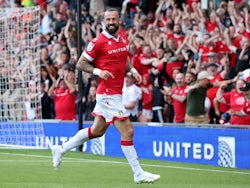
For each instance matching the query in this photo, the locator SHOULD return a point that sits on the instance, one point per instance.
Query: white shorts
(110, 108)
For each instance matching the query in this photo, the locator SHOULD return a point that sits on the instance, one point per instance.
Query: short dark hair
(112, 9)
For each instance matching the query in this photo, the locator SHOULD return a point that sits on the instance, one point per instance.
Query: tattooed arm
(85, 65)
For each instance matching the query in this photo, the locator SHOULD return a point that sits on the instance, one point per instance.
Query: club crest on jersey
(110, 43)
(90, 46)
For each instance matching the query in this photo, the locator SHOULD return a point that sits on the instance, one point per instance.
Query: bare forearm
(219, 96)
(216, 105)
(179, 98)
(84, 65)
(237, 113)
(241, 56)
(193, 87)
(51, 89)
(192, 48)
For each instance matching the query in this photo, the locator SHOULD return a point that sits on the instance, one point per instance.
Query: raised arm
(158, 10)
(219, 94)
(246, 16)
(228, 41)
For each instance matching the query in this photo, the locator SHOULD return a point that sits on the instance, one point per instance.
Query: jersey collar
(110, 36)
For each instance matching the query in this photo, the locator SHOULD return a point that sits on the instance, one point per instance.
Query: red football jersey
(179, 39)
(237, 103)
(65, 107)
(246, 107)
(210, 26)
(140, 67)
(180, 107)
(211, 92)
(147, 97)
(109, 53)
(190, 2)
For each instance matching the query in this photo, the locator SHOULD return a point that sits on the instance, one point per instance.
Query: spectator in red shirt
(212, 22)
(63, 92)
(167, 68)
(219, 73)
(246, 91)
(163, 14)
(145, 60)
(178, 34)
(169, 29)
(245, 111)
(236, 99)
(222, 49)
(147, 99)
(243, 53)
(133, 54)
(208, 48)
(179, 96)
(192, 4)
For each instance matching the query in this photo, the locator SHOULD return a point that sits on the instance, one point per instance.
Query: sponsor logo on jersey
(118, 50)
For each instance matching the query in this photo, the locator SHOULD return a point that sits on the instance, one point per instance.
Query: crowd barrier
(227, 147)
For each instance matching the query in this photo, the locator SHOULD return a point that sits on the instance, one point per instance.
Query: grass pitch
(33, 169)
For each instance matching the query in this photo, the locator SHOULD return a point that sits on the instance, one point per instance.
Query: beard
(112, 29)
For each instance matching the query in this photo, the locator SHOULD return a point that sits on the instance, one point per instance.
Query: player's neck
(115, 35)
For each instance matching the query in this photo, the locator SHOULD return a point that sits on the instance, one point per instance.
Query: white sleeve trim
(87, 56)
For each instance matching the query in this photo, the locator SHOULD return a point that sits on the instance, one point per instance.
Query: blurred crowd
(194, 58)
